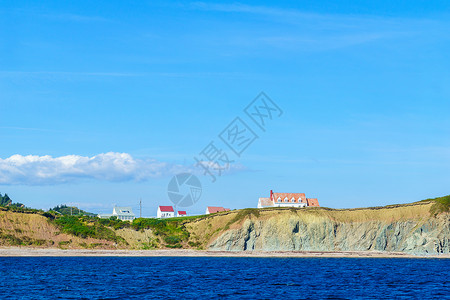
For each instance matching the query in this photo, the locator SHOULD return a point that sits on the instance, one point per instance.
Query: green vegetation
(14, 240)
(171, 231)
(91, 245)
(6, 204)
(442, 204)
(180, 232)
(70, 210)
(114, 223)
(153, 243)
(6, 201)
(242, 214)
(87, 227)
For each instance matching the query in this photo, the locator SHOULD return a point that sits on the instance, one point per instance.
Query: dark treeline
(6, 201)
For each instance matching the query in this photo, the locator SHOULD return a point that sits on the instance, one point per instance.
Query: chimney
(271, 192)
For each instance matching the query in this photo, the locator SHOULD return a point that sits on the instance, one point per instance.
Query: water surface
(222, 277)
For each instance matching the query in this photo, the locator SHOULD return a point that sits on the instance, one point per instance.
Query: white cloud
(111, 166)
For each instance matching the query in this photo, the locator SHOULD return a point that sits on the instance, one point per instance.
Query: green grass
(71, 210)
(13, 240)
(242, 214)
(113, 222)
(171, 231)
(23, 210)
(442, 204)
(87, 227)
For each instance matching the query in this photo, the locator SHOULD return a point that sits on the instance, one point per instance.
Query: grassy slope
(38, 229)
(21, 229)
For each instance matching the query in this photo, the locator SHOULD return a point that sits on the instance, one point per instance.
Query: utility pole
(140, 208)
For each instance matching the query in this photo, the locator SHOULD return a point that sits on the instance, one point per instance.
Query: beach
(17, 252)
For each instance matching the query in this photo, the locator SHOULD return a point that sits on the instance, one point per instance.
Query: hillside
(417, 228)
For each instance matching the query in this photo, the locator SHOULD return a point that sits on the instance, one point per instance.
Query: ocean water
(222, 278)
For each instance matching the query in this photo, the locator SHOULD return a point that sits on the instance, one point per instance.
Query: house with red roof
(165, 212)
(181, 213)
(215, 209)
(287, 200)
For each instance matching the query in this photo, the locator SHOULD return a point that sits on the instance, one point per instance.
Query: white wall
(164, 214)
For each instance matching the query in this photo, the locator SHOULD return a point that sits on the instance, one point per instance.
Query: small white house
(165, 212)
(181, 213)
(124, 213)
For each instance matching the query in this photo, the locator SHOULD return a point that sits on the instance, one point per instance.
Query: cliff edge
(403, 228)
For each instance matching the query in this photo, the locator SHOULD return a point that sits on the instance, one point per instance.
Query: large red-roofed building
(287, 200)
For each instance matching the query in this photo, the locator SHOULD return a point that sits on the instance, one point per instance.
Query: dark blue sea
(222, 278)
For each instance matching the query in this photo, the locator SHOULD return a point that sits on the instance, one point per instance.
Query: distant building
(215, 209)
(165, 212)
(124, 213)
(287, 200)
(181, 213)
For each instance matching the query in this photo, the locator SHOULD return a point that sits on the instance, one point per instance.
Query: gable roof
(296, 196)
(312, 202)
(181, 212)
(214, 209)
(123, 210)
(166, 208)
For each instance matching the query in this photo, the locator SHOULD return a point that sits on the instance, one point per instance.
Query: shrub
(87, 227)
(172, 231)
(172, 240)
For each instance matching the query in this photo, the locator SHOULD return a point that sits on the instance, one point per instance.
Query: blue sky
(364, 87)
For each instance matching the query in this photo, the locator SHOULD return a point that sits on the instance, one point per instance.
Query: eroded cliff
(404, 228)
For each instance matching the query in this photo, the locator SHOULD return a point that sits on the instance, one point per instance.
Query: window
(293, 200)
(279, 199)
(286, 199)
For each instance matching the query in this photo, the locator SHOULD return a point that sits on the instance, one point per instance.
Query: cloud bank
(111, 166)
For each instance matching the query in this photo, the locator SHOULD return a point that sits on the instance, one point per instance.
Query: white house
(215, 209)
(165, 212)
(181, 213)
(287, 200)
(124, 213)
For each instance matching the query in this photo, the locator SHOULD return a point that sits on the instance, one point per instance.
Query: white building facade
(165, 212)
(181, 213)
(124, 213)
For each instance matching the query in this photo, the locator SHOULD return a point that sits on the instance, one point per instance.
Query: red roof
(289, 196)
(181, 212)
(166, 208)
(214, 209)
(312, 202)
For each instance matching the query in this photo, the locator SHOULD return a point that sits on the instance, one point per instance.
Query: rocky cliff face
(409, 229)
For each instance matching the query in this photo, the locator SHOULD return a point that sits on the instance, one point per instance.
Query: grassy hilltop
(421, 227)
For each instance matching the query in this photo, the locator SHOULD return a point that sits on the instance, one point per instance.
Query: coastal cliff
(421, 228)
(405, 228)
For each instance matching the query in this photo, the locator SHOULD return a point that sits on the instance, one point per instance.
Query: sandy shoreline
(17, 252)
